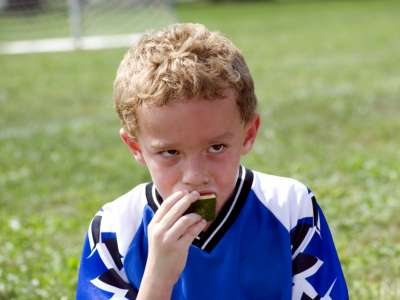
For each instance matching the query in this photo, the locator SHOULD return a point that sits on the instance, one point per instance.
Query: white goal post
(28, 26)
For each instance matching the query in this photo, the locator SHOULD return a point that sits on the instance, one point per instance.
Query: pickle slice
(204, 206)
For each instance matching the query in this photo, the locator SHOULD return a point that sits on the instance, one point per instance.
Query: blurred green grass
(328, 81)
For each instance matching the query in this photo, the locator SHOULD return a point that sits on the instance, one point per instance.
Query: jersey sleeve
(101, 274)
(316, 269)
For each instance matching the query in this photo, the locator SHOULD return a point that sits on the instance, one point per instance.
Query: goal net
(60, 25)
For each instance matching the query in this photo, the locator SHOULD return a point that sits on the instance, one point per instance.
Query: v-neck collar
(208, 239)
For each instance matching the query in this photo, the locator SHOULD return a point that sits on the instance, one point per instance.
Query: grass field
(328, 80)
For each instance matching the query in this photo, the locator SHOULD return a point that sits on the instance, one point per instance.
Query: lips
(207, 193)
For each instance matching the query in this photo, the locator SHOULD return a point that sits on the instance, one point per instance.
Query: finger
(178, 209)
(182, 225)
(167, 204)
(192, 232)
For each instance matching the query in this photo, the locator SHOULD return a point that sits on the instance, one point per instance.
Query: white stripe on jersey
(119, 294)
(230, 209)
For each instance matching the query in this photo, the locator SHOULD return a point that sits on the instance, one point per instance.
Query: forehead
(186, 120)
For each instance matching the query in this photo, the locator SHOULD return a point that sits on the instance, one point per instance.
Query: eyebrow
(226, 135)
(159, 144)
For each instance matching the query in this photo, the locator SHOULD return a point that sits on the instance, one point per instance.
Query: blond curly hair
(181, 62)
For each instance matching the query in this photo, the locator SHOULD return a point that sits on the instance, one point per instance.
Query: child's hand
(170, 233)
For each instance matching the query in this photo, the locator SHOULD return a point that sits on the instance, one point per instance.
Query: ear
(133, 146)
(250, 134)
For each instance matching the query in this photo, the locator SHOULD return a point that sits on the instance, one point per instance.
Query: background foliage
(327, 77)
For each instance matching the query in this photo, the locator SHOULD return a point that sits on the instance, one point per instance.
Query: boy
(187, 104)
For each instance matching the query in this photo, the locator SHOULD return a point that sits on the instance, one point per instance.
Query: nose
(195, 172)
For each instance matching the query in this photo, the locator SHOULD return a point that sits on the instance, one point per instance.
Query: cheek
(226, 170)
(165, 179)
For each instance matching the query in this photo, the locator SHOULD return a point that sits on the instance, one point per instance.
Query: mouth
(207, 194)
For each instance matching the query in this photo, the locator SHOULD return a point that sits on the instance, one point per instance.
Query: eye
(217, 148)
(169, 153)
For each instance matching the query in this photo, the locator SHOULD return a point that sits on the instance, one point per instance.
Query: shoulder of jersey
(123, 216)
(288, 199)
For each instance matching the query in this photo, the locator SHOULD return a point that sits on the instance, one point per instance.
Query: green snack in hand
(205, 207)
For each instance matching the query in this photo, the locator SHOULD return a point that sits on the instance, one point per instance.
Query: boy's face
(193, 145)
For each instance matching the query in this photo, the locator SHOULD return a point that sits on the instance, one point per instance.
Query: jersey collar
(208, 239)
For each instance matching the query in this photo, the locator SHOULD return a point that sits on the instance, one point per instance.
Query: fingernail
(195, 193)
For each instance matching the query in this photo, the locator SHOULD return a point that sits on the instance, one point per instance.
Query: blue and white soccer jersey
(269, 241)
